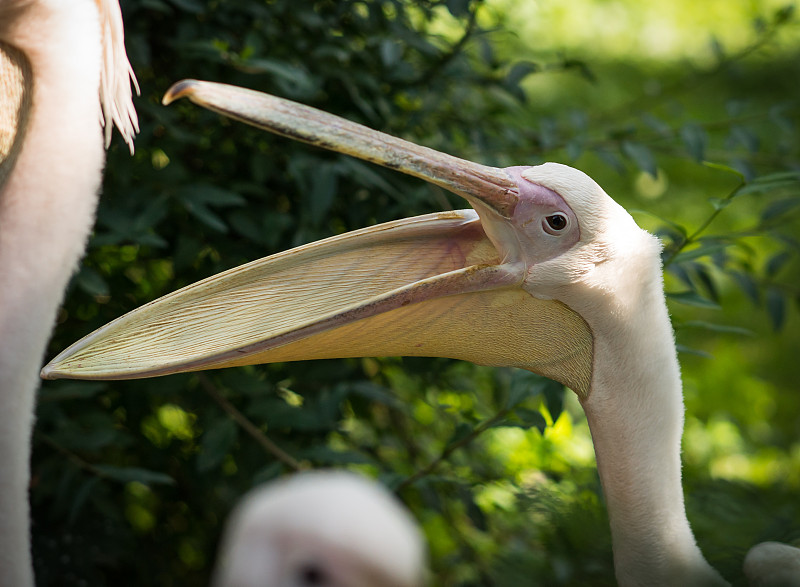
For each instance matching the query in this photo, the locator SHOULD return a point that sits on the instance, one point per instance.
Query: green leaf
(458, 8)
(520, 71)
(690, 351)
(777, 262)
(524, 385)
(582, 67)
(216, 443)
(657, 124)
(703, 277)
(91, 282)
(473, 511)
(779, 208)
(717, 48)
(720, 203)
(703, 250)
(211, 195)
(680, 229)
(747, 284)
(554, 398)
(267, 473)
(694, 139)
(725, 168)
(611, 159)
(190, 6)
(783, 14)
(324, 455)
(778, 177)
(745, 167)
(294, 80)
(641, 156)
(784, 122)
(324, 184)
(741, 135)
(80, 497)
(197, 198)
(134, 474)
(691, 298)
(713, 327)
(530, 419)
(574, 148)
(206, 216)
(391, 52)
(776, 307)
(71, 390)
(376, 393)
(462, 431)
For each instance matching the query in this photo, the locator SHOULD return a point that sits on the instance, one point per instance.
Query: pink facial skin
(537, 241)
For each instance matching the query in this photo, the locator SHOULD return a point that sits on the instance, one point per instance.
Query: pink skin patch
(536, 240)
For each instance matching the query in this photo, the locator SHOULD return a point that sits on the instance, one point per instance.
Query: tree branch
(268, 445)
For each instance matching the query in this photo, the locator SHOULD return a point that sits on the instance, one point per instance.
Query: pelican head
(496, 285)
(320, 528)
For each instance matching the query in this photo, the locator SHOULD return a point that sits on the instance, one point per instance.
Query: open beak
(432, 285)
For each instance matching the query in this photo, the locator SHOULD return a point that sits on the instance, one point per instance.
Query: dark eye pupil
(312, 574)
(557, 221)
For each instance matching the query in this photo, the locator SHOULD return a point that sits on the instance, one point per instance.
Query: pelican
(64, 75)
(320, 528)
(546, 272)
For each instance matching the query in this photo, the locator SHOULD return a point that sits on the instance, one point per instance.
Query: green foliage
(496, 464)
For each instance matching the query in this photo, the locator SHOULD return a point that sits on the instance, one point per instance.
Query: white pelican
(547, 273)
(63, 74)
(320, 528)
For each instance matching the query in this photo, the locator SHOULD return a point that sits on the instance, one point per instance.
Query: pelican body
(546, 272)
(63, 73)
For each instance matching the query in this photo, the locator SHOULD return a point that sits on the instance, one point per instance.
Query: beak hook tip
(179, 90)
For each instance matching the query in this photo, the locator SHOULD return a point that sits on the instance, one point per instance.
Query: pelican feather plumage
(63, 74)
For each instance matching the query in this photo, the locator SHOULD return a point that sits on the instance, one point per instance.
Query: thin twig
(251, 429)
(71, 456)
(451, 448)
(692, 238)
(456, 48)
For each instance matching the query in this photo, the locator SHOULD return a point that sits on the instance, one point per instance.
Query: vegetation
(696, 134)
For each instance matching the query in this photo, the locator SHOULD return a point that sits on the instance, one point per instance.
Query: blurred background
(686, 112)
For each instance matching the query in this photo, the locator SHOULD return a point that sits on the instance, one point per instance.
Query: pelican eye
(556, 223)
(312, 575)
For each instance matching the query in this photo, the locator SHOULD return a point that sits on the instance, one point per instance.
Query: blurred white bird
(321, 529)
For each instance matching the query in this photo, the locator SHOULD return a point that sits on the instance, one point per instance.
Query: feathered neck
(635, 413)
